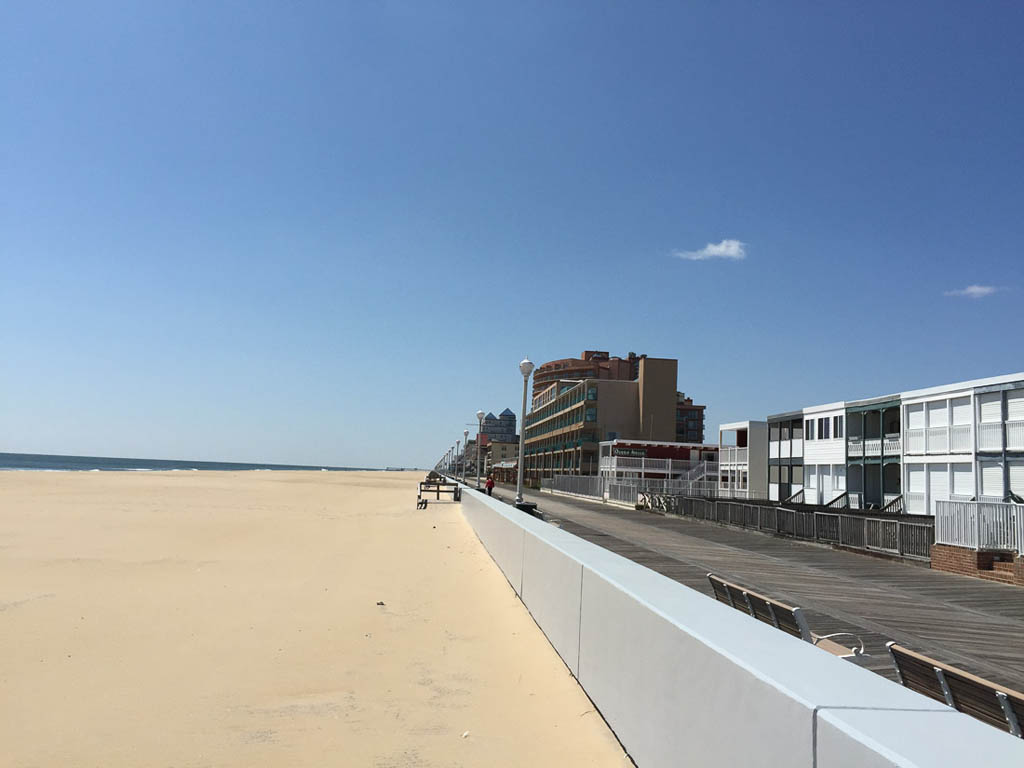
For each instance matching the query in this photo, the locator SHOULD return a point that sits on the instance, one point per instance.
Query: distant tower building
(501, 429)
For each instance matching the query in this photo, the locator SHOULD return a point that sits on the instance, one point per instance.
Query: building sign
(636, 453)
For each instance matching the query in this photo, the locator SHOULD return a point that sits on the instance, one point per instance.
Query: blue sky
(327, 233)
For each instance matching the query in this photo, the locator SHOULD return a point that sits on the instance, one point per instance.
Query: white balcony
(773, 450)
(990, 436)
(784, 449)
(960, 438)
(889, 497)
(1015, 435)
(733, 456)
(915, 503)
(937, 439)
(798, 447)
(873, 447)
(891, 445)
(855, 447)
(915, 441)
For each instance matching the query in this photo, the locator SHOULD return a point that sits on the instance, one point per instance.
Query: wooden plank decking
(969, 623)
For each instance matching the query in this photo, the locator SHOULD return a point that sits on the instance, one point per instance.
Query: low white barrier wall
(685, 680)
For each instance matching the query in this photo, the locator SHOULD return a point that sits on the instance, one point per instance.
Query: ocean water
(47, 462)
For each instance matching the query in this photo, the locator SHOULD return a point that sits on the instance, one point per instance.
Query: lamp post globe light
(465, 446)
(525, 368)
(479, 430)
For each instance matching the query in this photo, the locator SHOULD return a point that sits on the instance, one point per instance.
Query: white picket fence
(980, 525)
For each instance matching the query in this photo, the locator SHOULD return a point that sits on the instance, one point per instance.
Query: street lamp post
(456, 461)
(465, 447)
(525, 368)
(479, 430)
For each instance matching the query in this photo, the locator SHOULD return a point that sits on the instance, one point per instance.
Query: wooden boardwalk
(970, 623)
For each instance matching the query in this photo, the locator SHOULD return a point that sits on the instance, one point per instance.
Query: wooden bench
(436, 484)
(788, 618)
(994, 704)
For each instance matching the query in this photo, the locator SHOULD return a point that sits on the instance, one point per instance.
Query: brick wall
(993, 566)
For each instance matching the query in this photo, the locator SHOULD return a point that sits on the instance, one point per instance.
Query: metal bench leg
(899, 675)
(750, 608)
(1011, 716)
(944, 686)
(805, 631)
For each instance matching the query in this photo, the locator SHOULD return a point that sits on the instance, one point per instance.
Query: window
(823, 424)
(784, 474)
(773, 473)
(798, 475)
(591, 414)
(798, 430)
(785, 432)
(591, 393)
(773, 433)
(809, 429)
(837, 426)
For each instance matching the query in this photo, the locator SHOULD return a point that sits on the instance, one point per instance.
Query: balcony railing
(1015, 435)
(954, 439)
(960, 438)
(873, 447)
(915, 441)
(733, 456)
(915, 502)
(891, 445)
(937, 440)
(855, 447)
(798, 447)
(990, 437)
(979, 525)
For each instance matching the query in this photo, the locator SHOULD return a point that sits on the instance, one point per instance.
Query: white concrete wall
(685, 680)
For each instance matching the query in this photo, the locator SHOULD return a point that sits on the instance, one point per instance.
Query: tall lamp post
(457, 461)
(479, 430)
(465, 447)
(525, 368)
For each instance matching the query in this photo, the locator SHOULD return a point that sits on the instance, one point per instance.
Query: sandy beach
(232, 619)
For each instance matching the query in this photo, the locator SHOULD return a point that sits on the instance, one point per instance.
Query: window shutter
(915, 478)
(1015, 405)
(961, 410)
(963, 482)
(1017, 477)
(915, 416)
(937, 414)
(992, 479)
(991, 407)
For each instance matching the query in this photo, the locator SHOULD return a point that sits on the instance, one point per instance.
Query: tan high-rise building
(570, 417)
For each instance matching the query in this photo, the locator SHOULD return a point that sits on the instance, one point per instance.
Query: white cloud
(974, 291)
(733, 250)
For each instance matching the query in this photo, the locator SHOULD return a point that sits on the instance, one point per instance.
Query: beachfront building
(568, 419)
(873, 451)
(824, 452)
(633, 460)
(963, 442)
(743, 460)
(785, 455)
(689, 420)
(590, 365)
(498, 453)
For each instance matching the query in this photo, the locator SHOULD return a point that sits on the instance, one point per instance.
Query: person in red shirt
(490, 484)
